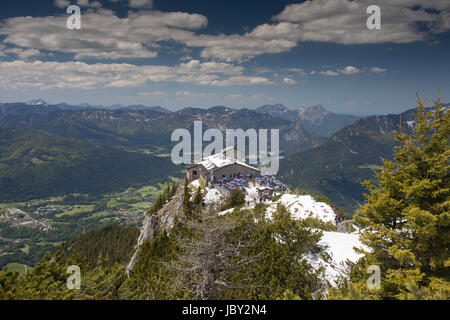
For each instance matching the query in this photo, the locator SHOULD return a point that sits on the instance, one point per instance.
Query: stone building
(221, 166)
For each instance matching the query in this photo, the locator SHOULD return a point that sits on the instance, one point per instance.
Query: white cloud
(81, 3)
(141, 3)
(103, 35)
(350, 70)
(46, 75)
(344, 21)
(237, 47)
(153, 93)
(241, 80)
(87, 3)
(329, 73)
(61, 3)
(23, 54)
(140, 34)
(289, 81)
(337, 21)
(299, 71)
(195, 95)
(377, 70)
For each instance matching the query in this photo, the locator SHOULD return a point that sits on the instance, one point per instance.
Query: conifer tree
(197, 201)
(187, 205)
(406, 217)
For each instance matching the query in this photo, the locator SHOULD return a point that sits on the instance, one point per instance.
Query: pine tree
(187, 205)
(406, 217)
(197, 201)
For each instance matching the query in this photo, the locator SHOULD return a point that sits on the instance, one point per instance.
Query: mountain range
(337, 167)
(82, 106)
(42, 146)
(48, 150)
(315, 119)
(148, 128)
(37, 164)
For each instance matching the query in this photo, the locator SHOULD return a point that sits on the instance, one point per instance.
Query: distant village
(19, 218)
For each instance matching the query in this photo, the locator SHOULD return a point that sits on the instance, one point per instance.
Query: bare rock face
(163, 220)
(147, 233)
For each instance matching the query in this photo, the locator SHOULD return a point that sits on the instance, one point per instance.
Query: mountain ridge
(338, 166)
(316, 119)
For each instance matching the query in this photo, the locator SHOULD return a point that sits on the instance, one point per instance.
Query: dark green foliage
(406, 218)
(282, 266)
(236, 198)
(197, 202)
(36, 165)
(114, 243)
(259, 259)
(339, 166)
(163, 198)
(262, 268)
(336, 169)
(187, 205)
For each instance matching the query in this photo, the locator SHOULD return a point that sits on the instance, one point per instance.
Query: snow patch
(195, 184)
(212, 196)
(302, 207)
(340, 247)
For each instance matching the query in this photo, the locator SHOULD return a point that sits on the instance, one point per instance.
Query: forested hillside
(339, 166)
(37, 164)
(113, 243)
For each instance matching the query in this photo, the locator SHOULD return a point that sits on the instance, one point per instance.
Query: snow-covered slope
(212, 196)
(302, 207)
(340, 247)
(37, 102)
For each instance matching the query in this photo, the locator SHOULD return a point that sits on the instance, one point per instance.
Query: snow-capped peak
(36, 102)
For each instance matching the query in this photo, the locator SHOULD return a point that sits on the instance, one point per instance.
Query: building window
(194, 173)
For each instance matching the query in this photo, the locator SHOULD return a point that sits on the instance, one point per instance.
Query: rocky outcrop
(163, 220)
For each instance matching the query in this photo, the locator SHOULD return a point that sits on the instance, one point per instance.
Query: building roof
(218, 161)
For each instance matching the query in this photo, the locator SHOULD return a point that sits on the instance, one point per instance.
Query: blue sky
(247, 53)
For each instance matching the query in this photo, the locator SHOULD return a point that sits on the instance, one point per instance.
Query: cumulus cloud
(344, 21)
(147, 4)
(23, 54)
(377, 70)
(153, 93)
(141, 3)
(48, 75)
(241, 80)
(139, 34)
(195, 95)
(349, 70)
(103, 35)
(329, 73)
(289, 81)
(81, 3)
(61, 3)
